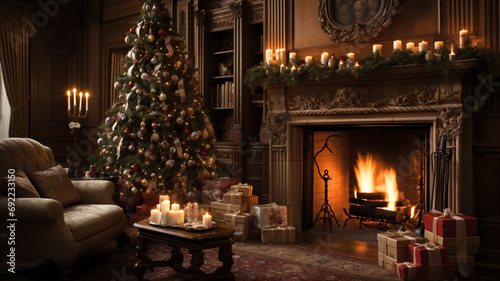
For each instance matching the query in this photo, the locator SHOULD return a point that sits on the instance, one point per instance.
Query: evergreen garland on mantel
(271, 74)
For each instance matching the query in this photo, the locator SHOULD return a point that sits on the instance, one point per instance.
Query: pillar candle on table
(155, 216)
(172, 217)
(283, 56)
(175, 207)
(377, 48)
(164, 218)
(165, 206)
(438, 45)
(180, 217)
(463, 38)
(397, 45)
(207, 220)
(410, 46)
(324, 58)
(309, 60)
(423, 47)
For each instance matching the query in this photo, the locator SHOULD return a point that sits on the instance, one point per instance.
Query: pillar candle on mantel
(377, 48)
(309, 60)
(269, 60)
(463, 37)
(438, 45)
(293, 57)
(397, 45)
(350, 55)
(283, 56)
(409, 46)
(423, 47)
(269, 53)
(324, 58)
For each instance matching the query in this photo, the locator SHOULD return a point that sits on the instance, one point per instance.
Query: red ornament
(164, 159)
(162, 32)
(183, 143)
(134, 168)
(132, 30)
(131, 84)
(187, 131)
(203, 153)
(126, 131)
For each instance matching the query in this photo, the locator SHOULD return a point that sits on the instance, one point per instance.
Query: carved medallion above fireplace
(414, 95)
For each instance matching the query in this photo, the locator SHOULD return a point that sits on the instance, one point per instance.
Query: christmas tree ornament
(175, 78)
(169, 163)
(144, 182)
(154, 125)
(163, 97)
(154, 60)
(155, 136)
(143, 124)
(183, 168)
(190, 163)
(133, 190)
(131, 83)
(152, 157)
(179, 120)
(100, 141)
(162, 33)
(131, 148)
(187, 131)
(173, 149)
(128, 40)
(132, 30)
(178, 64)
(116, 139)
(109, 160)
(118, 85)
(138, 91)
(166, 74)
(155, 8)
(151, 38)
(185, 155)
(137, 107)
(191, 111)
(126, 172)
(211, 160)
(183, 113)
(134, 168)
(140, 151)
(195, 136)
(133, 135)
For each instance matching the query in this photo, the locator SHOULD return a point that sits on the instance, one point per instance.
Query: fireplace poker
(441, 170)
(326, 209)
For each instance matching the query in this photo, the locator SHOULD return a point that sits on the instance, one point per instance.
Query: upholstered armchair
(56, 219)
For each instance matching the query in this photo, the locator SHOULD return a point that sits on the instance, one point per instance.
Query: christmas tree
(157, 134)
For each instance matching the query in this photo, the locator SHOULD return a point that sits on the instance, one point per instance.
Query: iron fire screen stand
(441, 170)
(326, 209)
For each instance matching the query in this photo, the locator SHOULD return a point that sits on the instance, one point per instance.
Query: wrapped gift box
(268, 215)
(246, 202)
(425, 254)
(470, 262)
(395, 245)
(389, 263)
(240, 222)
(144, 209)
(381, 261)
(232, 197)
(221, 184)
(244, 188)
(446, 226)
(405, 270)
(278, 235)
(450, 243)
(437, 272)
(219, 209)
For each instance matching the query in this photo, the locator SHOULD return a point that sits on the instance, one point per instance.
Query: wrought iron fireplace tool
(441, 171)
(419, 231)
(326, 209)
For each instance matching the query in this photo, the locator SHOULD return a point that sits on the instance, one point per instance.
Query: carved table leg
(176, 258)
(226, 257)
(144, 262)
(197, 261)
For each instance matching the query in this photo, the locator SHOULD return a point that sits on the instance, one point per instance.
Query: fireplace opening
(376, 171)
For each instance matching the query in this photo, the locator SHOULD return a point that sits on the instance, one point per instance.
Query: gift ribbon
(182, 92)
(461, 239)
(169, 46)
(412, 274)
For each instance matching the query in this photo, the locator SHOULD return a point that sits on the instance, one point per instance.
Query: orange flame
(452, 53)
(366, 169)
(412, 211)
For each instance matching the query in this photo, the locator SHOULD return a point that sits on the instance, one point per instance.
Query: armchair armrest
(33, 209)
(95, 191)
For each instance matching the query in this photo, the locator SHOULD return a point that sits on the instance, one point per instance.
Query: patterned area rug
(253, 261)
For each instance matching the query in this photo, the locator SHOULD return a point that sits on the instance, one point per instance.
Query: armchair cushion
(23, 186)
(54, 183)
(86, 220)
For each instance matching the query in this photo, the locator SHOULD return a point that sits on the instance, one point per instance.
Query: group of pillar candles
(171, 214)
(279, 57)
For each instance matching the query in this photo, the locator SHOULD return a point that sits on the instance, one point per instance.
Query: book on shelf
(223, 95)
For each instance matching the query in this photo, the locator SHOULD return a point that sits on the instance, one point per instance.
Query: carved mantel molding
(402, 89)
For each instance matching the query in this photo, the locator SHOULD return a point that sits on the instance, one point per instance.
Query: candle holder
(75, 116)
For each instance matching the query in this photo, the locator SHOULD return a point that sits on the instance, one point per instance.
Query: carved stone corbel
(278, 127)
(236, 9)
(200, 17)
(450, 122)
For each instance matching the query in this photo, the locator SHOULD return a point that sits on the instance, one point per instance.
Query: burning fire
(412, 211)
(366, 170)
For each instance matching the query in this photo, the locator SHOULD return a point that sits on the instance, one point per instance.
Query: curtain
(14, 60)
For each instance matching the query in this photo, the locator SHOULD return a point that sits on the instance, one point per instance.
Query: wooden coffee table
(195, 242)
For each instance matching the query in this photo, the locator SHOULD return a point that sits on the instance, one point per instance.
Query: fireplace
(377, 166)
(406, 101)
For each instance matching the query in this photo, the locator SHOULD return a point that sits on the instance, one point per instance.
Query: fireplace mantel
(410, 94)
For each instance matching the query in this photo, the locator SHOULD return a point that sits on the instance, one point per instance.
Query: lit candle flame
(357, 64)
(452, 53)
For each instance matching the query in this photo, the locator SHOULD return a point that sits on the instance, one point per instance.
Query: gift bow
(461, 238)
